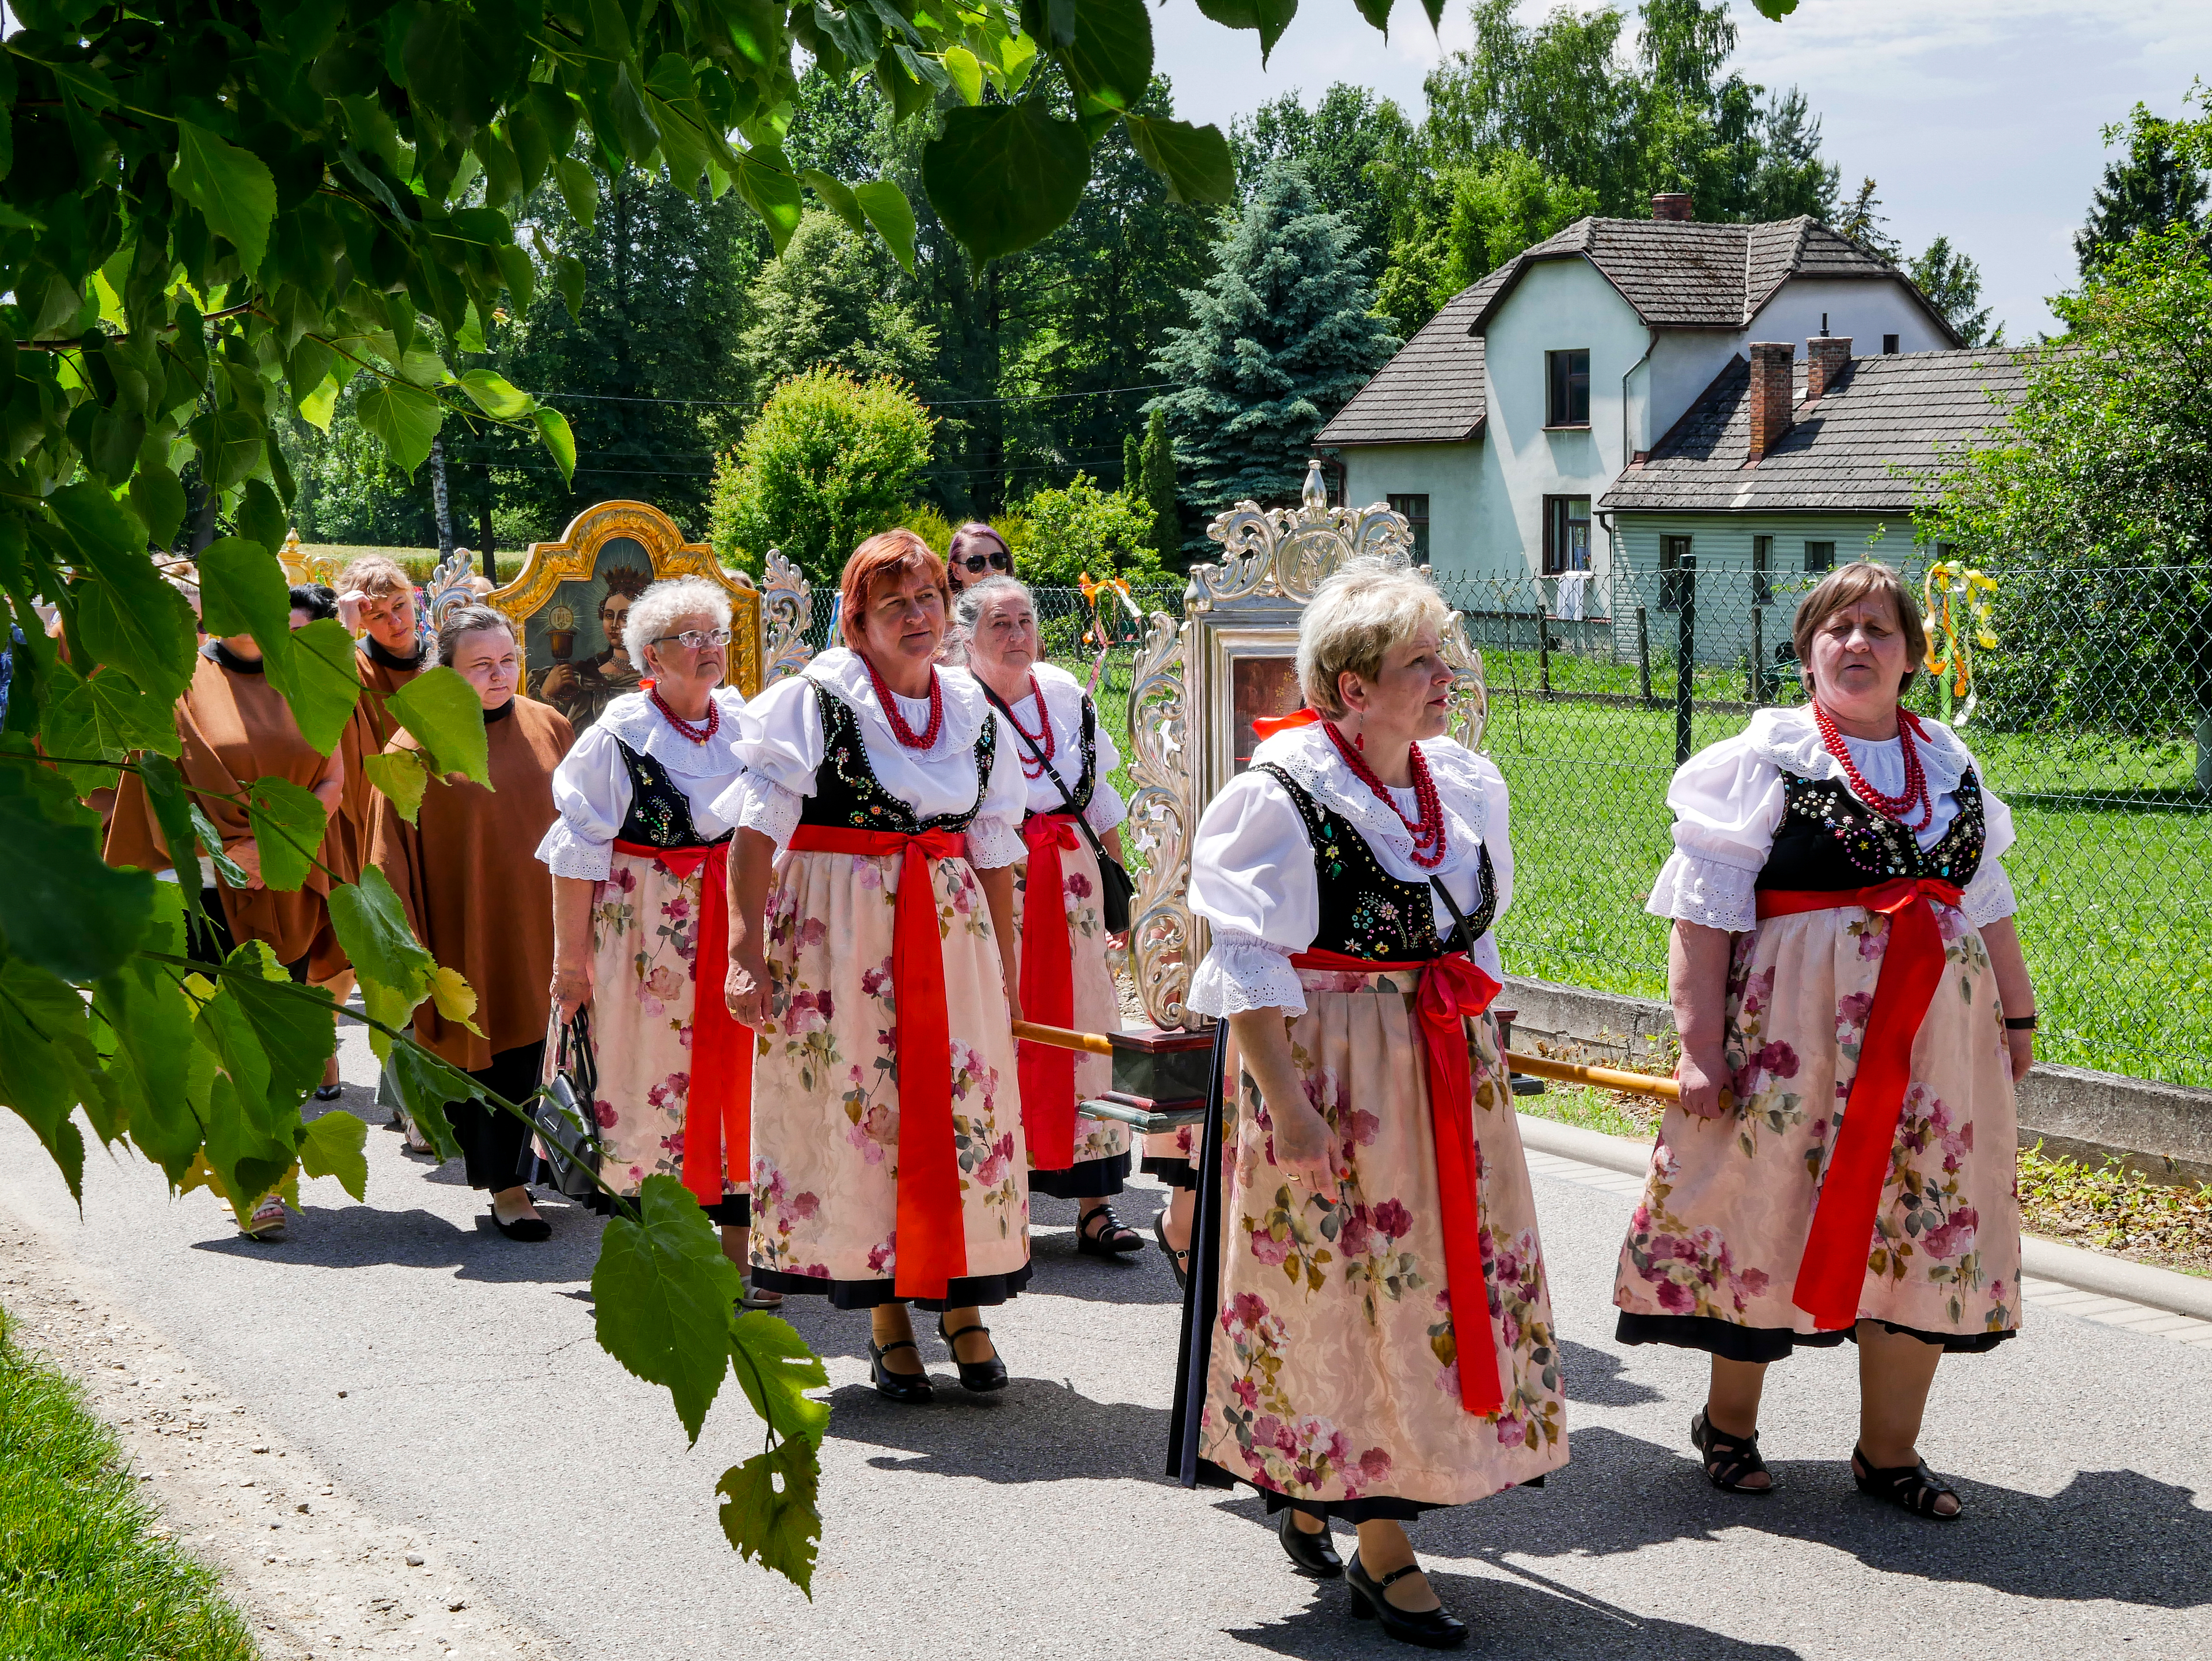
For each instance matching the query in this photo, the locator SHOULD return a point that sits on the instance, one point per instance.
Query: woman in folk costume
(1368, 1331)
(479, 909)
(1854, 1009)
(1066, 980)
(639, 917)
(874, 954)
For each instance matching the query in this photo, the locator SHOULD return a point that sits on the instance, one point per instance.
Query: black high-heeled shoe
(913, 1389)
(1312, 1555)
(1175, 1258)
(1432, 1629)
(976, 1376)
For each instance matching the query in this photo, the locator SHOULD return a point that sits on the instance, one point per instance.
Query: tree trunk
(438, 502)
(486, 562)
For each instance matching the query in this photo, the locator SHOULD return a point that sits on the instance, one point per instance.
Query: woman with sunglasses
(639, 912)
(978, 554)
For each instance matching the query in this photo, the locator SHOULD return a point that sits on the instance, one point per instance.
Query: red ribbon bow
(1451, 991)
(1048, 987)
(1833, 1268)
(931, 1239)
(1266, 727)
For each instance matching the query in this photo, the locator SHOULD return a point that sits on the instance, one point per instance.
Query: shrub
(1083, 528)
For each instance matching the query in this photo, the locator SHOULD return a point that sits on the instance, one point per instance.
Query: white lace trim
(1989, 896)
(994, 843)
(568, 854)
(845, 672)
(1787, 738)
(1107, 809)
(1697, 889)
(1309, 756)
(634, 719)
(754, 803)
(1242, 971)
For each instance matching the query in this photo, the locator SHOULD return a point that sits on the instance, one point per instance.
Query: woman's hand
(1013, 999)
(572, 988)
(746, 989)
(1305, 1146)
(2021, 1046)
(1703, 1074)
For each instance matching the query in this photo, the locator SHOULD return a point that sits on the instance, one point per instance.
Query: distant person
(1854, 1010)
(978, 551)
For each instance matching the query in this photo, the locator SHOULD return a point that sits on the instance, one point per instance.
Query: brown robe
(237, 729)
(366, 735)
(477, 895)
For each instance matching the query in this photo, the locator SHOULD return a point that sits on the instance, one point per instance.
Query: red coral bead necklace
(904, 734)
(1044, 740)
(1915, 779)
(697, 731)
(1428, 831)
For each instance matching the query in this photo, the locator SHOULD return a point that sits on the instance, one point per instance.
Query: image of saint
(582, 691)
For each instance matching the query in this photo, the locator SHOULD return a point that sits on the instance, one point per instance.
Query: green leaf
(180, 820)
(107, 715)
(243, 591)
(127, 616)
(230, 445)
(780, 1528)
(43, 1050)
(425, 1083)
(580, 189)
(1271, 17)
(248, 1146)
(158, 499)
(1774, 10)
(153, 1024)
(61, 906)
(664, 1294)
(568, 280)
(495, 396)
(332, 1146)
(1004, 176)
(260, 517)
(446, 718)
(1111, 59)
(516, 271)
(288, 823)
(966, 74)
(371, 922)
(1194, 161)
(836, 196)
(404, 416)
(293, 1024)
(775, 1368)
(399, 774)
(231, 186)
(633, 125)
(892, 215)
(560, 443)
(772, 192)
(319, 676)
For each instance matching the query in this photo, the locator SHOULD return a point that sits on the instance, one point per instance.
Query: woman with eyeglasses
(871, 947)
(638, 910)
(477, 908)
(1066, 980)
(977, 553)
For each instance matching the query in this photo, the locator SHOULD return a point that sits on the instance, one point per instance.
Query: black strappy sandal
(1914, 1488)
(1113, 1240)
(1728, 1460)
(976, 1376)
(911, 1387)
(1175, 1258)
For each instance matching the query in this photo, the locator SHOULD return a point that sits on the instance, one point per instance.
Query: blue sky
(1978, 119)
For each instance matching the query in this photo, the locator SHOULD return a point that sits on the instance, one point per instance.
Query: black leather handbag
(568, 1127)
(1116, 887)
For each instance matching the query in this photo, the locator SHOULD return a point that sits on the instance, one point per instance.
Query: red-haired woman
(1854, 1009)
(874, 955)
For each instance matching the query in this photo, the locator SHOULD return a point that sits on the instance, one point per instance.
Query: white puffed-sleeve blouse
(1728, 802)
(1252, 874)
(781, 742)
(592, 785)
(1064, 698)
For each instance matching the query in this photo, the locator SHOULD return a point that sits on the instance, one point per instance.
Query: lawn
(82, 1576)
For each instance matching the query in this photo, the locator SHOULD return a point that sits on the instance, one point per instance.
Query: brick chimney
(1827, 356)
(1673, 205)
(1771, 394)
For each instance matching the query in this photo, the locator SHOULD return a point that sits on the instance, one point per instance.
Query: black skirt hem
(971, 1291)
(1176, 1173)
(732, 1211)
(1089, 1179)
(1759, 1345)
(1375, 1508)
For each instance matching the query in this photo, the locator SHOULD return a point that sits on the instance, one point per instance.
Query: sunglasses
(978, 563)
(697, 639)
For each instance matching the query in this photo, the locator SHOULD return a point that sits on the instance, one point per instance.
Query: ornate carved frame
(1181, 718)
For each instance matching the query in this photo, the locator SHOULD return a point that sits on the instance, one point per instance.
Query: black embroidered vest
(659, 812)
(1086, 782)
(1829, 840)
(1365, 912)
(846, 791)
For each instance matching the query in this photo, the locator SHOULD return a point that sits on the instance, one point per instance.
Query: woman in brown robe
(376, 601)
(482, 905)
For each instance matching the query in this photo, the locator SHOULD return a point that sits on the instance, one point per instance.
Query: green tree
(1278, 341)
(1953, 283)
(1863, 221)
(1347, 134)
(1473, 218)
(830, 461)
(1159, 485)
(1079, 528)
(2160, 182)
(832, 300)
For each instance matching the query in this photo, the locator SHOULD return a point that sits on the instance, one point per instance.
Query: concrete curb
(2045, 1260)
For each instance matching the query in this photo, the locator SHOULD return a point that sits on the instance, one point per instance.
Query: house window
(1820, 556)
(1416, 510)
(1762, 569)
(1568, 404)
(1889, 345)
(1566, 534)
(1678, 569)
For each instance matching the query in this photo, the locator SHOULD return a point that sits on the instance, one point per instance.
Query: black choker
(499, 714)
(216, 650)
(379, 655)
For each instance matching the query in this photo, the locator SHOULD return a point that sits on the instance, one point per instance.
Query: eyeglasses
(697, 639)
(977, 563)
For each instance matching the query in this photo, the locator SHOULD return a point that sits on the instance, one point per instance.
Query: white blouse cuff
(1989, 896)
(1695, 889)
(1107, 809)
(1241, 973)
(994, 843)
(760, 804)
(568, 854)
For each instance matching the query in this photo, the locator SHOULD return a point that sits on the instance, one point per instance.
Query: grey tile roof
(1840, 454)
(1431, 392)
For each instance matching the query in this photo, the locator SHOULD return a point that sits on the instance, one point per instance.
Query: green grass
(2112, 1208)
(1606, 1112)
(81, 1578)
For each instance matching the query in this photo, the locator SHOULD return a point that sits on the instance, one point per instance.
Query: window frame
(1417, 523)
(1678, 559)
(1557, 519)
(1829, 559)
(1559, 384)
(1762, 570)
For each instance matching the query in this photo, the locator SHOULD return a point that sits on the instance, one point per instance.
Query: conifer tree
(1158, 466)
(1280, 339)
(2156, 185)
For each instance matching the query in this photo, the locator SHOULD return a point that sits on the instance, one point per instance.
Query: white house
(1501, 422)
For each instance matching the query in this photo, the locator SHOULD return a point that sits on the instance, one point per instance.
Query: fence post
(1543, 645)
(1758, 678)
(1686, 652)
(1644, 653)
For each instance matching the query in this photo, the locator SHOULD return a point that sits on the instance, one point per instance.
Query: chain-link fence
(2091, 719)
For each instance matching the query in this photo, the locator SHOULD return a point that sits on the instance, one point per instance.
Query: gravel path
(442, 1384)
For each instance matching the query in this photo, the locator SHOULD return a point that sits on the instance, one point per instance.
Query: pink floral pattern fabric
(1333, 1374)
(1729, 1200)
(825, 1079)
(1098, 1001)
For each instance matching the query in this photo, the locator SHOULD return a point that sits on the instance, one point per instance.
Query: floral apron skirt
(1324, 1335)
(1712, 1252)
(1102, 1145)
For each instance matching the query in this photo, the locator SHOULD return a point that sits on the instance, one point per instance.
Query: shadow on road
(348, 1236)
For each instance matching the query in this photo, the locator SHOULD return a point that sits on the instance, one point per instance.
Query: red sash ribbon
(1047, 988)
(718, 1108)
(1451, 990)
(1833, 1268)
(931, 1247)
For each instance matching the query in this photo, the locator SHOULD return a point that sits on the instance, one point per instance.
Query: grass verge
(84, 1573)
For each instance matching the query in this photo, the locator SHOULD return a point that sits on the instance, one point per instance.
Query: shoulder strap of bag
(1067, 800)
(1462, 928)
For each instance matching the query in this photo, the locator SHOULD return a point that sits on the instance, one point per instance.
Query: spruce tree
(1158, 465)
(2155, 186)
(1280, 339)
(1132, 463)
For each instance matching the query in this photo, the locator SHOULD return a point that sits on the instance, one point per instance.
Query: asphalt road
(479, 1410)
